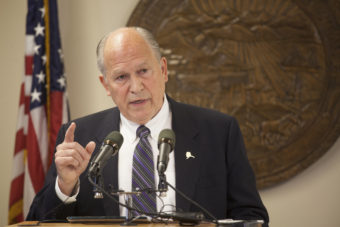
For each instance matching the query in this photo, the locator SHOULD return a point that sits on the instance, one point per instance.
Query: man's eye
(121, 77)
(142, 71)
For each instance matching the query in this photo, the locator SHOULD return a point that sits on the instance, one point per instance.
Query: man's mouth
(138, 101)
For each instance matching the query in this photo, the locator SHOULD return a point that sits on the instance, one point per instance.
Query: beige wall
(309, 199)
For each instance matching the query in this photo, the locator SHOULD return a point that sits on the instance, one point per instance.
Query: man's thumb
(90, 147)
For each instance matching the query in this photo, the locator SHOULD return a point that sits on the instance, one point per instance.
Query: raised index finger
(69, 135)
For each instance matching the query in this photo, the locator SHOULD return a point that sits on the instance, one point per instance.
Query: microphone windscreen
(114, 137)
(168, 136)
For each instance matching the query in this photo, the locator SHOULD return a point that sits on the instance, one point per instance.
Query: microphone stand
(184, 218)
(95, 180)
(162, 185)
(97, 193)
(128, 201)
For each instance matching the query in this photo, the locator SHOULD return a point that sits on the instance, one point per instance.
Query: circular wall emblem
(272, 64)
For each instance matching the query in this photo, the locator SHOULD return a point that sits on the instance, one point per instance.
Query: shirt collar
(156, 124)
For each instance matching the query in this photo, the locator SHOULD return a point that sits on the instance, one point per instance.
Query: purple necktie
(143, 176)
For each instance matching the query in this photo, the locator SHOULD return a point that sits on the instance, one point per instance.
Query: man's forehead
(123, 68)
(127, 48)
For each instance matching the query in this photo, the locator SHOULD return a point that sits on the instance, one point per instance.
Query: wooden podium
(42, 224)
(119, 223)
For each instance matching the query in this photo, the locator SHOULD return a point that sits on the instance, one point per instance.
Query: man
(209, 162)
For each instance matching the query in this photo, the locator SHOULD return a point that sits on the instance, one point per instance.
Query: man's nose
(136, 84)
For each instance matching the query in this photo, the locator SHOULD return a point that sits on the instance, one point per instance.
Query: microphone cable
(214, 219)
(185, 218)
(160, 214)
(117, 201)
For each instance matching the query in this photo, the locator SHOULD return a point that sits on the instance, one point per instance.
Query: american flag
(42, 108)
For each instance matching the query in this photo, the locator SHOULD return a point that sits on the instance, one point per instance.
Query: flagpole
(48, 74)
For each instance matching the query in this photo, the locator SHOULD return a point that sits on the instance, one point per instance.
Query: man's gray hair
(148, 37)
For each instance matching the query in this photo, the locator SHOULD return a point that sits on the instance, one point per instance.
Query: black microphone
(185, 218)
(109, 148)
(166, 143)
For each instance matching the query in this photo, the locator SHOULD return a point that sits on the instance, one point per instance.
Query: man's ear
(105, 85)
(164, 68)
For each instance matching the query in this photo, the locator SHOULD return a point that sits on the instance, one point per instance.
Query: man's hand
(71, 160)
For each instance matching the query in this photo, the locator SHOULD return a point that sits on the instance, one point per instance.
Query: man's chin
(140, 118)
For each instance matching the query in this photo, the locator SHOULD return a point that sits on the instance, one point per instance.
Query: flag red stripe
(56, 120)
(17, 187)
(34, 161)
(29, 65)
(56, 111)
(27, 104)
(19, 141)
(22, 94)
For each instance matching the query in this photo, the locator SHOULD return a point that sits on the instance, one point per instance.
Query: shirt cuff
(67, 199)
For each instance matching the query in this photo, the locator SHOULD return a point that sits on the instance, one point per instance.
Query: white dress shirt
(128, 129)
(125, 159)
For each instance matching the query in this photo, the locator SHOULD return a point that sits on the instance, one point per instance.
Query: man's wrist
(66, 187)
(75, 189)
(65, 197)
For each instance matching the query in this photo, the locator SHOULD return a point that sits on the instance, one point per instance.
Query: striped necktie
(143, 176)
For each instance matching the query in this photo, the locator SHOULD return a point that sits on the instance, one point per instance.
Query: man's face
(135, 78)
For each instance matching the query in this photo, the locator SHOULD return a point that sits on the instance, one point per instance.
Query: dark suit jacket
(219, 177)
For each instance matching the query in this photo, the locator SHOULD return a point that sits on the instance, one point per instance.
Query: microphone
(185, 218)
(109, 148)
(166, 143)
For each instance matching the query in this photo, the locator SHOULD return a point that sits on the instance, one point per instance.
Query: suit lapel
(110, 172)
(186, 168)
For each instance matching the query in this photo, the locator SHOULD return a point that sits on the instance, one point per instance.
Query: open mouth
(138, 101)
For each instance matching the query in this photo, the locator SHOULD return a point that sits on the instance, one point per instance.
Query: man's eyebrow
(121, 71)
(143, 64)
(118, 71)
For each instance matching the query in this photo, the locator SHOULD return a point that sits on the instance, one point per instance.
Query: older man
(209, 162)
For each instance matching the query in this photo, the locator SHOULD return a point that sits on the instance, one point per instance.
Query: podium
(119, 222)
(93, 224)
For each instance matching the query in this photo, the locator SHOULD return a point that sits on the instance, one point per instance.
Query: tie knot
(143, 132)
